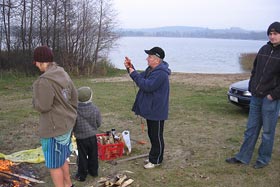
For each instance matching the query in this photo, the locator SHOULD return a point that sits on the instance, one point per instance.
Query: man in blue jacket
(264, 85)
(152, 100)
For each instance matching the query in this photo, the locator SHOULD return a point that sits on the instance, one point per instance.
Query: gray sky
(214, 14)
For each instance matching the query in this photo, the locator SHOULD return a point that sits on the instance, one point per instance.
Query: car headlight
(247, 93)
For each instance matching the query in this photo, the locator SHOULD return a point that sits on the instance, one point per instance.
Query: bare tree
(55, 17)
(105, 35)
(6, 13)
(79, 31)
(41, 22)
(23, 25)
(1, 37)
(30, 33)
(100, 18)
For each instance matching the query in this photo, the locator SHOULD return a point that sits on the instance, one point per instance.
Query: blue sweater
(152, 100)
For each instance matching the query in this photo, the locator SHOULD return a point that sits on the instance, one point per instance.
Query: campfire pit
(16, 175)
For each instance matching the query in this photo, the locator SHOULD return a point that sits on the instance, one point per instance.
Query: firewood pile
(16, 175)
(118, 180)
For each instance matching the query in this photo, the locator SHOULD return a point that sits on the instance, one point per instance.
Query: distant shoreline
(194, 32)
(196, 79)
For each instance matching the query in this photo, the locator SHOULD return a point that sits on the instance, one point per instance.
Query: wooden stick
(23, 177)
(120, 180)
(5, 175)
(115, 162)
(128, 182)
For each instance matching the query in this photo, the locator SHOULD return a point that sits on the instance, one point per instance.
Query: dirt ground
(210, 138)
(180, 153)
(192, 78)
(222, 80)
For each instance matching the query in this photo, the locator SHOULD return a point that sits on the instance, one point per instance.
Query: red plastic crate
(109, 151)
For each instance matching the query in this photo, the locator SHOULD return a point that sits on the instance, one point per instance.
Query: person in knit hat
(274, 27)
(55, 98)
(88, 120)
(43, 54)
(264, 86)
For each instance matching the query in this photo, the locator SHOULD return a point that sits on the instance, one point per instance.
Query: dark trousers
(87, 156)
(155, 133)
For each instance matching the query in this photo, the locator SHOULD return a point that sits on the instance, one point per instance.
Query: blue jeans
(263, 114)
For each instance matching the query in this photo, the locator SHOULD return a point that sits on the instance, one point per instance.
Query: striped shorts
(56, 150)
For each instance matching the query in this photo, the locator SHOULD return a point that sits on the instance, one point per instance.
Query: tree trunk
(7, 24)
(23, 25)
(30, 34)
(41, 22)
(99, 31)
(55, 12)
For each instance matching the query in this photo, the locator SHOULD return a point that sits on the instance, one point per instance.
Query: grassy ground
(203, 129)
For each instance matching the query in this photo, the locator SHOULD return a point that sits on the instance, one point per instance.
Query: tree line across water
(80, 33)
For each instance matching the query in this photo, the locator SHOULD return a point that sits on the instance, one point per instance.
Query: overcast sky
(213, 14)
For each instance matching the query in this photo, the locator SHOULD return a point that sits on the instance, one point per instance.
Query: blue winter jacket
(152, 100)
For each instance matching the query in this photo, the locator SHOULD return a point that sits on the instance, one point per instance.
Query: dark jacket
(152, 100)
(265, 76)
(88, 120)
(55, 97)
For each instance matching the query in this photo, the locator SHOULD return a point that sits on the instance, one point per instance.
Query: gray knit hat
(84, 94)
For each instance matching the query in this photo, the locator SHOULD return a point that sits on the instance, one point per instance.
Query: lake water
(189, 55)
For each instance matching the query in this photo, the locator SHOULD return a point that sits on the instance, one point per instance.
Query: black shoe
(259, 165)
(79, 178)
(233, 160)
(93, 174)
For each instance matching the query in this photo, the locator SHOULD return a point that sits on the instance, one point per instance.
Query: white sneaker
(150, 165)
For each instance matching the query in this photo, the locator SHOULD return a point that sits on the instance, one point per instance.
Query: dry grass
(246, 61)
(203, 129)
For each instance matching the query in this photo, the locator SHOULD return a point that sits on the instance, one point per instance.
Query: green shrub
(106, 68)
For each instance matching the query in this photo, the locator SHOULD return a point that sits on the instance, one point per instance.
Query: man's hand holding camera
(128, 65)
